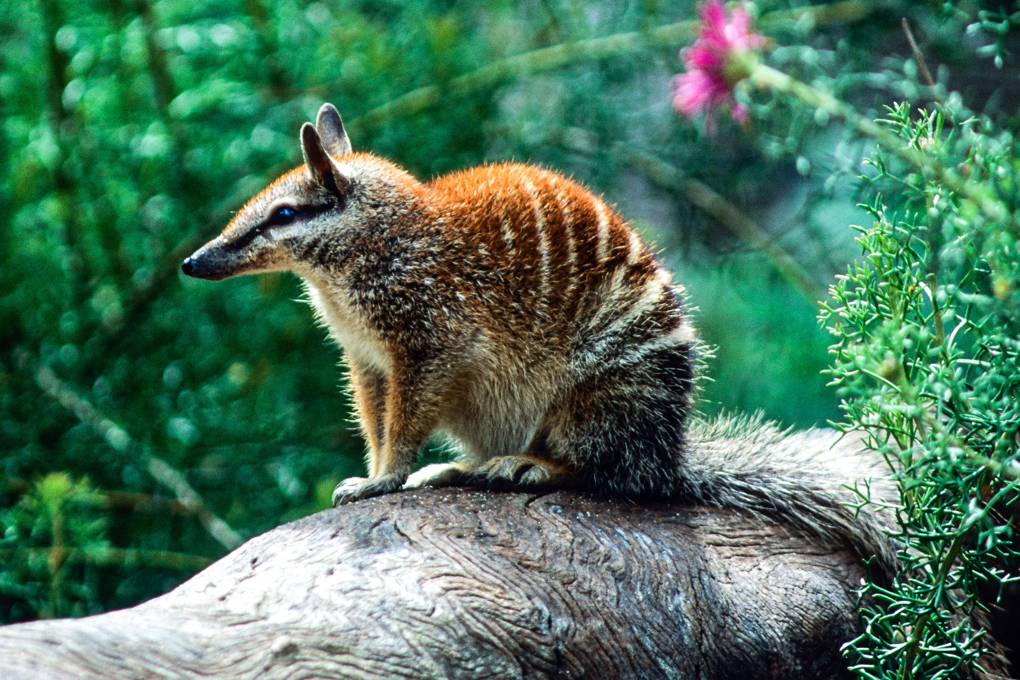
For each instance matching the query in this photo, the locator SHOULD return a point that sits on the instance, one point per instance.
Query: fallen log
(456, 583)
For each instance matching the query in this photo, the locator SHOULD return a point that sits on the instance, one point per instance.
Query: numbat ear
(331, 130)
(320, 165)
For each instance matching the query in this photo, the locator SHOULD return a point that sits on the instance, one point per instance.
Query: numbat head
(504, 307)
(301, 212)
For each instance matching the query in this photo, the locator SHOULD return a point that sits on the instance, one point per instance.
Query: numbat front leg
(413, 395)
(356, 488)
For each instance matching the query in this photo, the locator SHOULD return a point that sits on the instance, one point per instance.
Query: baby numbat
(515, 312)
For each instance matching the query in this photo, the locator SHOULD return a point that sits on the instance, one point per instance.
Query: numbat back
(511, 310)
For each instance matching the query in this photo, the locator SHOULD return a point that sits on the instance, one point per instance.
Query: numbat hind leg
(519, 471)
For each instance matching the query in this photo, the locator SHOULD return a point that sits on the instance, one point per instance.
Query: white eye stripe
(287, 201)
(285, 231)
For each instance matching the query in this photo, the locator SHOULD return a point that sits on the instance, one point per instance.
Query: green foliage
(767, 347)
(991, 20)
(927, 362)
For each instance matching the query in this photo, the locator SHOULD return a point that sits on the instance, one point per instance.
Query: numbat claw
(355, 488)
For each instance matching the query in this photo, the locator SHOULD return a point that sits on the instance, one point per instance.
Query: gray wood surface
(467, 584)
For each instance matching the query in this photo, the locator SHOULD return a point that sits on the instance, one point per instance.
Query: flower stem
(765, 77)
(551, 57)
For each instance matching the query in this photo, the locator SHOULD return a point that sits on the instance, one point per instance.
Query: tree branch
(466, 584)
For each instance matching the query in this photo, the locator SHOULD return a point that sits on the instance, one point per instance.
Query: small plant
(927, 362)
(44, 538)
(927, 351)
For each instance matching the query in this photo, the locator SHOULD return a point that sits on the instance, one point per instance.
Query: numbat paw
(439, 474)
(517, 471)
(356, 488)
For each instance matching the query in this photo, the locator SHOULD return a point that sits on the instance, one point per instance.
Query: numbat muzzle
(209, 262)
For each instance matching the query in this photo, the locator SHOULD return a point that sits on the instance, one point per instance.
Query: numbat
(515, 312)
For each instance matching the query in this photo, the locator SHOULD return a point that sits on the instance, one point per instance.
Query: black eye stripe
(302, 212)
(286, 214)
(245, 238)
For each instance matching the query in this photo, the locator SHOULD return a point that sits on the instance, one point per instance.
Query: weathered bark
(457, 583)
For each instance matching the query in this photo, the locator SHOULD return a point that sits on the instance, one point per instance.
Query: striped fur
(511, 310)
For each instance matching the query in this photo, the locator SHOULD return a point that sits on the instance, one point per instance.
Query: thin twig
(765, 77)
(69, 217)
(163, 86)
(122, 442)
(717, 206)
(112, 500)
(268, 46)
(918, 56)
(140, 297)
(56, 556)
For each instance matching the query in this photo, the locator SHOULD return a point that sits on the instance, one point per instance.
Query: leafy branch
(121, 441)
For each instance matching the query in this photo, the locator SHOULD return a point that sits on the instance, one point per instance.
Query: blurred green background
(149, 421)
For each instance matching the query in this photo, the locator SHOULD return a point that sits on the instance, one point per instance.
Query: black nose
(188, 266)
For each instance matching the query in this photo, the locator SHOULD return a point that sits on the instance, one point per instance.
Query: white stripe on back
(543, 238)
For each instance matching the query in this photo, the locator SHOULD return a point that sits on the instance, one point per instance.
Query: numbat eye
(282, 215)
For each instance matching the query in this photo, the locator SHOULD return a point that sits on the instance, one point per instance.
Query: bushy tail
(804, 477)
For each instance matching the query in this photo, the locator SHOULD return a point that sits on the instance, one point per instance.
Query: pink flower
(707, 85)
